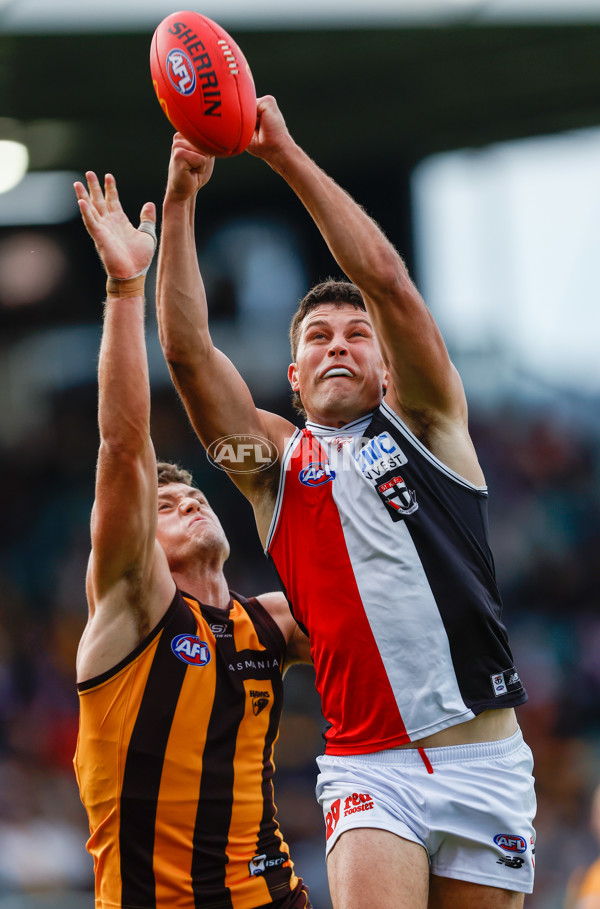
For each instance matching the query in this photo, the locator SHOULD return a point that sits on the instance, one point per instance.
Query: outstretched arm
(128, 578)
(424, 380)
(215, 395)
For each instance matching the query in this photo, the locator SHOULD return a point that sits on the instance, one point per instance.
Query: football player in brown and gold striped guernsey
(179, 679)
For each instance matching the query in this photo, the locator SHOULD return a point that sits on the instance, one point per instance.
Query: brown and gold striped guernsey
(174, 764)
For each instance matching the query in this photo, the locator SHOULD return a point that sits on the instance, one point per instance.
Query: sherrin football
(203, 83)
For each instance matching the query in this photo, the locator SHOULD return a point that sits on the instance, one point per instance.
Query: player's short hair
(173, 473)
(332, 290)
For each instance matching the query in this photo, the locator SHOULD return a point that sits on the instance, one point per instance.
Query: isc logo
(181, 72)
(190, 649)
(316, 474)
(258, 864)
(510, 842)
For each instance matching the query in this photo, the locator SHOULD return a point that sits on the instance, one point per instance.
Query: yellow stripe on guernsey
(107, 743)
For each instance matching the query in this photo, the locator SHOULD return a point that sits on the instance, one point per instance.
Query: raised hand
(189, 168)
(271, 131)
(125, 251)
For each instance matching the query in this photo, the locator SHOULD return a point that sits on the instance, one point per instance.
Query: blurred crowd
(543, 472)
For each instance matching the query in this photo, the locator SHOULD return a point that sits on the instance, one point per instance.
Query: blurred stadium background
(471, 131)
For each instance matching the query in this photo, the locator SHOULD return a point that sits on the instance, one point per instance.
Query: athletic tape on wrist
(122, 288)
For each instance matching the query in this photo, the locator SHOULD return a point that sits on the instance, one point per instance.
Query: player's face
(187, 526)
(339, 371)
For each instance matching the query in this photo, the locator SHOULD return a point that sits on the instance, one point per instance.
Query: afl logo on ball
(190, 649)
(181, 72)
(316, 474)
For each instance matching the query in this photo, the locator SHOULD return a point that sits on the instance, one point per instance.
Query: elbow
(390, 278)
(182, 349)
(174, 353)
(180, 360)
(121, 456)
(123, 446)
(184, 354)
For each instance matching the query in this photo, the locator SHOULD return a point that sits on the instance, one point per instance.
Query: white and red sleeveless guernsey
(384, 556)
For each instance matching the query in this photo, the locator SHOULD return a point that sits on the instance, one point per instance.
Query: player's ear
(293, 376)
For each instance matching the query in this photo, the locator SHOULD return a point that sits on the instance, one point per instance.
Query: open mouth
(337, 371)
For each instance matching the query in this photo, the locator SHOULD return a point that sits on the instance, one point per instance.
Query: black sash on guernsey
(447, 519)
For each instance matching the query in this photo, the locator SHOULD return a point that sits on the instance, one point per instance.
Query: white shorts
(472, 809)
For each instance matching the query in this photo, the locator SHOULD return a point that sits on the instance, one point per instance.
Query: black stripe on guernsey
(144, 764)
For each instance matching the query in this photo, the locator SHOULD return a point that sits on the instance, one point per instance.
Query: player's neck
(336, 421)
(206, 583)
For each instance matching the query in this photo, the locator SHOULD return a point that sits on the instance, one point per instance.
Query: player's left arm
(297, 643)
(423, 376)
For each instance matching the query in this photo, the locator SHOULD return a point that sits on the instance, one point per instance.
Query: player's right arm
(214, 393)
(129, 585)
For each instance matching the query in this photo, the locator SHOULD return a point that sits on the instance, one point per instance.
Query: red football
(203, 83)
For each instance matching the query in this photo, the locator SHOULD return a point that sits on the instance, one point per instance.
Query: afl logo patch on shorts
(190, 649)
(511, 842)
(181, 72)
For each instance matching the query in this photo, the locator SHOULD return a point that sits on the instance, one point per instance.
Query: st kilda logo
(398, 497)
(191, 650)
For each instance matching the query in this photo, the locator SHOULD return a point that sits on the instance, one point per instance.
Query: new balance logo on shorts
(358, 801)
(511, 861)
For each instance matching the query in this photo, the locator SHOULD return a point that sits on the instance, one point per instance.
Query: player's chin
(341, 402)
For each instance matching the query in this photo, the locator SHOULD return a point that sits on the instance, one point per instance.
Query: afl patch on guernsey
(190, 649)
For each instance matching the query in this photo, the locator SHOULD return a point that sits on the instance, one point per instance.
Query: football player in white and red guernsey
(375, 516)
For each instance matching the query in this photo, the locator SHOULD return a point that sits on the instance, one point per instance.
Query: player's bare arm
(129, 584)
(425, 388)
(297, 644)
(215, 395)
